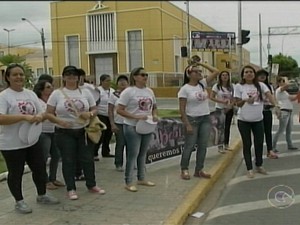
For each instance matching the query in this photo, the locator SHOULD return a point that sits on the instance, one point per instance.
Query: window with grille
(39, 71)
(101, 32)
(135, 49)
(73, 50)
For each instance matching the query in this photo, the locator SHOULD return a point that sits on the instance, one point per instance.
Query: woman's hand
(34, 118)
(114, 128)
(141, 117)
(64, 124)
(155, 118)
(85, 115)
(250, 100)
(189, 129)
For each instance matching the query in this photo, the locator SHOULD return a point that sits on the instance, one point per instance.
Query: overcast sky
(222, 16)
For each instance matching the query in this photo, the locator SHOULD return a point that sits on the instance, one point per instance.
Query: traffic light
(245, 38)
(184, 52)
(269, 59)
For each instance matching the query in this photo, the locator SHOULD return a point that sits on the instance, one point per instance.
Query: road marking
(278, 173)
(243, 207)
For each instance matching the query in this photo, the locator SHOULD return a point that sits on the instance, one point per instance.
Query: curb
(198, 193)
(3, 176)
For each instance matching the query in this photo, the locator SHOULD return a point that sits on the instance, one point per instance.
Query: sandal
(185, 175)
(272, 155)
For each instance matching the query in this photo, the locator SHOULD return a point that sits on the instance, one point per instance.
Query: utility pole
(239, 44)
(8, 39)
(188, 29)
(260, 43)
(41, 32)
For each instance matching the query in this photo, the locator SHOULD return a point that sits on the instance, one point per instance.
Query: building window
(72, 50)
(135, 49)
(1, 53)
(177, 54)
(50, 71)
(39, 71)
(101, 32)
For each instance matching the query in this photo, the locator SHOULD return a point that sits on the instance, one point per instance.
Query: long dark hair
(39, 87)
(255, 80)
(134, 72)
(187, 72)
(220, 84)
(264, 72)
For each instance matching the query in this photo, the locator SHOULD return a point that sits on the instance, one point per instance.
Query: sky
(222, 16)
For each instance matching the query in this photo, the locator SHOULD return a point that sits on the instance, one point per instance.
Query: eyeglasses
(144, 74)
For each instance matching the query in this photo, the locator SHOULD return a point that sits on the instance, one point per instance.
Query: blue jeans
(120, 146)
(49, 147)
(137, 147)
(285, 124)
(73, 146)
(200, 136)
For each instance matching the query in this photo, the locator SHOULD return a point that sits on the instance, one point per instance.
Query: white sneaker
(22, 207)
(47, 200)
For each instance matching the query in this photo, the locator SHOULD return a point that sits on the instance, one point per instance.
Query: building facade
(113, 37)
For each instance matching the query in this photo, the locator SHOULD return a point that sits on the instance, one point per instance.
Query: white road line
(243, 207)
(278, 173)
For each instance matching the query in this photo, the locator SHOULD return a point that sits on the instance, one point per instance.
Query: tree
(8, 59)
(287, 65)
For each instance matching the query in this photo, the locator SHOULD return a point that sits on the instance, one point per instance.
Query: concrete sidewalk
(168, 203)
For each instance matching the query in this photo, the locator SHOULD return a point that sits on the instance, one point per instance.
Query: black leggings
(105, 138)
(15, 162)
(268, 122)
(228, 120)
(257, 129)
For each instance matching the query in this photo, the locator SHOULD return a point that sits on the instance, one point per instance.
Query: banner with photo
(168, 139)
(208, 41)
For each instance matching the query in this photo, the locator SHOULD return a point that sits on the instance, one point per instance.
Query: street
(266, 199)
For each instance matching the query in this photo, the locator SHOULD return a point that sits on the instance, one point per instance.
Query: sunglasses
(144, 74)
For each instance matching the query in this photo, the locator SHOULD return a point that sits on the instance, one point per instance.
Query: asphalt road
(271, 199)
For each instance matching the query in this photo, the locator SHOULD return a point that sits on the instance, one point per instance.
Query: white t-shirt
(196, 99)
(48, 127)
(94, 91)
(250, 112)
(15, 103)
(114, 100)
(222, 94)
(104, 96)
(266, 100)
(138, 101)
(81, 98)
(283, 99)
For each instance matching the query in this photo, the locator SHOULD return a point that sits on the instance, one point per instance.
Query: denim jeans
(137, 147)
(285, 124)
(200, 136)
(257, 129)
(75, 146)
(120, 146)
(49, 147)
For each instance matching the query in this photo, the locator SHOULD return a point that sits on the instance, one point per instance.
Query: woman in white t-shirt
(222, 94)
(76, 106)
(194, 110)
(117, 121)
(20, 107)
(43, 89)
(285, 101)
(105, 93)
(249, 95)
(262, 76)
(136, 102)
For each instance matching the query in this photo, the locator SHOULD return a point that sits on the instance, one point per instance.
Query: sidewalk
(168, 203)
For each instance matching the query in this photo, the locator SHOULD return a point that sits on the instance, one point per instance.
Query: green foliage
(287, 65)
(8, 59)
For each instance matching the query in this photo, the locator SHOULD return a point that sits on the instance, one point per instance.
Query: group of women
(66, 111)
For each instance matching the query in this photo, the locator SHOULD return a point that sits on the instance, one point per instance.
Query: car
(293, 87)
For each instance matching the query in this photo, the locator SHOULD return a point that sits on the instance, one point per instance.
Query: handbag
(95, 127)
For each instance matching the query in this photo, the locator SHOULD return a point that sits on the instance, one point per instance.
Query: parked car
(293, 87)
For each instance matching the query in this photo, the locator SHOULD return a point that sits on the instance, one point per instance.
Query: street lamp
(284, 38)
(8, 38)
(41, 32)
